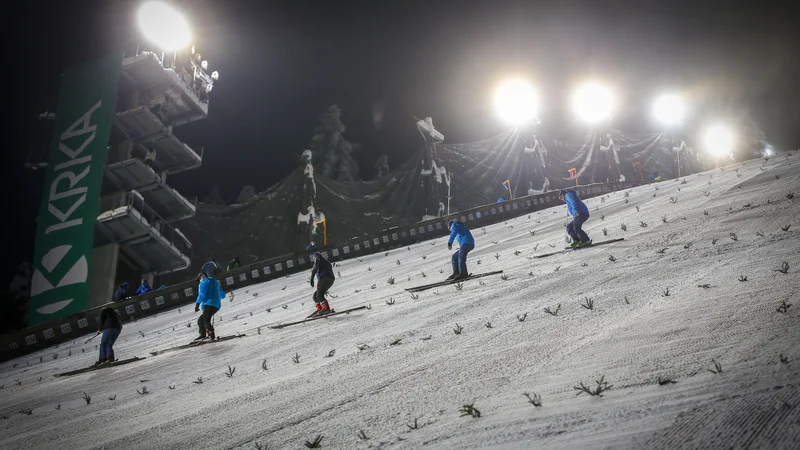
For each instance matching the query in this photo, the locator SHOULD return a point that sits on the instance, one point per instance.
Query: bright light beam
(516, 102)
(164, 26)
(593, 103)
(669, 109)
(719, 140)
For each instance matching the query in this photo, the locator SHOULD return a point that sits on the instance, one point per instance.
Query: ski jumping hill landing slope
(687, 331)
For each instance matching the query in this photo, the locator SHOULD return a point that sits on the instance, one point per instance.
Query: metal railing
(133, 200)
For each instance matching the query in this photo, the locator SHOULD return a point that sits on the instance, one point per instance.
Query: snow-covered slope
(413, 367)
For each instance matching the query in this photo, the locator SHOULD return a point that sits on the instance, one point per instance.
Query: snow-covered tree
(381, 166)
(332, 152)
(246, 194)
(214, 197)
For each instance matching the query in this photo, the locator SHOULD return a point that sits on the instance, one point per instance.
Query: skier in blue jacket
(459, 233)
(580, 214)
(209, 298)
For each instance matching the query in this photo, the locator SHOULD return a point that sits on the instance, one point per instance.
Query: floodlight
(163, 25)
(669, 109)
(516, 102)
(719, 140)
(593, 103)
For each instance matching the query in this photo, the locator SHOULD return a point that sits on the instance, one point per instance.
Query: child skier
(580, 214)
(466, 243)
(209, 297)
(323, 270)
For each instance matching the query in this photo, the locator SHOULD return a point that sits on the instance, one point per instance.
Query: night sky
(281, 63)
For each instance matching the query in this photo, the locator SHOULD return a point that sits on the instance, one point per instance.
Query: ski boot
(461, 276)
(575, 244)
(315, 313)
(583, 244)
(199, 338)
(211, 334)
(452, 277)
(324, 308)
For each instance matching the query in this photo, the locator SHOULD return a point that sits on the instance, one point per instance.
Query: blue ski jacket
(143, 289)
(574, 204)
(460, 234)
(210, 293)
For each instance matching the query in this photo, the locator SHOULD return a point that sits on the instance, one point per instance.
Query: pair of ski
(312, 318)
(425, 287)
(197, 343)
(99, 367)
(573, 249)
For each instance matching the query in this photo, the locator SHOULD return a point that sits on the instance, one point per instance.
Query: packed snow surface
(672, 306)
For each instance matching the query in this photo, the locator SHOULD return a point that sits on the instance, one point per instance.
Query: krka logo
(62, 239)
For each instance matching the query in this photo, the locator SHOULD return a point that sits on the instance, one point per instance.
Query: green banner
(70, 202)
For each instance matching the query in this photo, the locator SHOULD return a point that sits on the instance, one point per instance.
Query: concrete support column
(102, 283)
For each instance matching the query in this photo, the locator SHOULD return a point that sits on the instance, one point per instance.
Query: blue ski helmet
(316, 255)
(450, 223)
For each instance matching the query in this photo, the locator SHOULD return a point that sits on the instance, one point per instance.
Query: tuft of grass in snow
(673, 200)
(144, 391)
(662, 251)
(26, 412)
(362, 435)
(790, 195)
(112, 398)
(742, 278)
(230, 372)
(415, 426)
(663, 219)
(734, 237)
(316, 442)
(687, 246)
(296, 358)
(717, 368)
(784, 268)
(611, 258)
(662, 381)
(785, 227)
(414, 296)
(623, 227)
(503, 277)
(469, 410)
(534, 399)
(390, 302)
(783, 359)
(637, 208)
(390, 280)
(458, 329)
(588, 303)
(497, 256)
(199, 380)
(704, 286)
(665, 293)
(459, 286)
(522, 317)
(551, 312)
(642, 224)
(362, 347)
(783, 308)
(602, 386)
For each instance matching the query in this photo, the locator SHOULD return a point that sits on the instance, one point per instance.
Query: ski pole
(87, 341)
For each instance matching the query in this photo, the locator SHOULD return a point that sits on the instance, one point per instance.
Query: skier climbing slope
(466, 243)
(323, 271)
(580, 214)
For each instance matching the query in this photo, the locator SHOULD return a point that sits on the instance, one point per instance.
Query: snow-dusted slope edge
(431, 372)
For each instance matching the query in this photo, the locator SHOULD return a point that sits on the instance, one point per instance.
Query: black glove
(449, 246)
(312, 282)
(196, 307)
